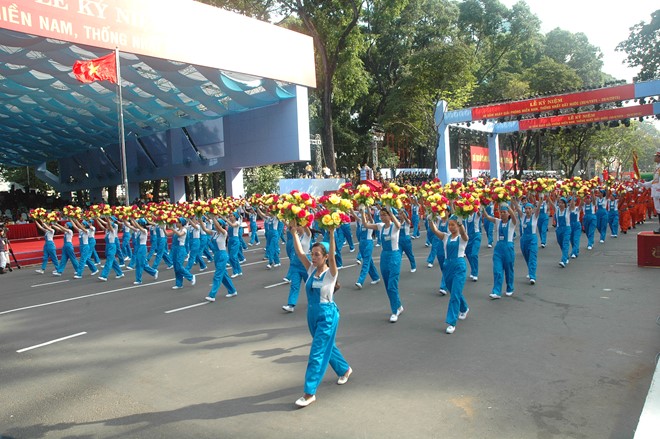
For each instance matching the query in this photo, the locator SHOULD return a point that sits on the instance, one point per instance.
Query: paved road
(571, 357)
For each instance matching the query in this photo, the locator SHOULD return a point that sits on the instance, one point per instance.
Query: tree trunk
(156, 190)
(328, 133)
(198, 193)
(112, 195)
(216, 184)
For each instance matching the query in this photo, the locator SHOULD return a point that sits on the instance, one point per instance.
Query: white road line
(348, 266)
(186, 307)
(49, 283)
(276, 285)
(50, 342)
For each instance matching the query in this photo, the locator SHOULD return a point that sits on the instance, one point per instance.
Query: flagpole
(122, 140)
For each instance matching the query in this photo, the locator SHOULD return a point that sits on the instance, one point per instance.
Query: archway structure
(579, 108)
(204, 90)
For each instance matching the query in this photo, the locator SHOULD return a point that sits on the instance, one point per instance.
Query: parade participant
(589, 220)
(405, 240)
(613, 214)
(254, 237)
(179, 232)
(544, 219)
(390, 257)
(67, 249)
(297, 271)
(366, 244)
(601, 214)
(488, 226)
(437, 248)
(218, 244)
(654, 185)
(322, 317)
(4, 254)
(455, 270)
(473, 226)
(162, 252)
(345, 230)
(85, 250)
(529, 244)
(111, 229)
(204, 239)
(49, 246)
(195, 256)
(153, 242)
(625, 220)
(140, 251)
(124, 250)
(576, 229)
(414, 217)
(91, 228)
(504, 255)
(271, 227)
(563, 230)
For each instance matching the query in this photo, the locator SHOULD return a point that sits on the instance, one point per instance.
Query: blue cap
(142, 222)
(85, 223)
(504, 207)
(530, 205)
(69, 225)
(394, 211)
(326, 246)
(183, 221)
(564, 200)
(453, 218)
(113, 218)
(237, 215)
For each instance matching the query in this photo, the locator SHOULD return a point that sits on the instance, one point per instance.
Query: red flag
(638, 176)
(100, 69)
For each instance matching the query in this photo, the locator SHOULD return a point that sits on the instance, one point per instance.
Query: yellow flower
(336, 218)
(326, 220)
(334, 199)
(295, 209)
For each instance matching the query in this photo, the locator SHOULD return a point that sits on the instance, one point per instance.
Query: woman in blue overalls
(473, 226)
(125, 247)
(488, 226)
(437, 248)
(111, 230)
(322, 317)
(455, 270)
(67, 249)
(563, 231)
(218, 244)
(92, 242)
(195, 240)
(366, 243)
(529, 244)
(179, 232)
(271, 225)
(589, 220)
(390, 257)
(576, 229)
(49, 246)
(601, 214)
(543, 221)
(254, 238)
(85, 250)
(140, 251)
(414, 217)
(613, 214)
(297, 272)
(162, 252)
(405, 240)
(504, 256)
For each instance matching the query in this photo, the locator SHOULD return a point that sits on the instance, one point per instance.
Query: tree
(613, 147)
(262, 180)
(642, 46)
(571, 147)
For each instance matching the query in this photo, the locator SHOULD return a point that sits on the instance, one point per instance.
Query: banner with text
(481, 161)
(587, 117)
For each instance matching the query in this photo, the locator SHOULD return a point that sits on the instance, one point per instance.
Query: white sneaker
(527, 276)
(120, 276)
(268, 266)
(494, 296)
(103, 279)
(450, 329)
(234, 294)
(287, 280)
(490, 245)
(344, 378)
(589, 247)
(542, 245)
(129, 269)
(358, 285)
(156, 275)
(474, 278)
(615, 236)
(394, 318)
(77, 277)
(561, 264)
(277, 265)
(412, 270)
(532, 281)
(429, 265)
(210, 299)
(463, 315)
(39, 271)
(374, 282)
(601, 241)
(235, 275)
(55, 273)
(137, 283)
(302, 402)
(194, 280)
(351, 250)
(399, 311)
(509, 293)
(442, 292)
(359, 262)
(203, 269)
(95, 273)
(573, 256)
(288, 308)
(176, 287)
(426, 244)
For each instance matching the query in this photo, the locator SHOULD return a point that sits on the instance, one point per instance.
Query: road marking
(49, 283)
(276, 285)
(51, 342)
(186, 307)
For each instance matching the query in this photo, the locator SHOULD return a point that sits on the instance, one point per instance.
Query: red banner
(557, 102)
(587, 117)
(481, 160)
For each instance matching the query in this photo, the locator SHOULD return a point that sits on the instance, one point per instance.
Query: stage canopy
(47, 114)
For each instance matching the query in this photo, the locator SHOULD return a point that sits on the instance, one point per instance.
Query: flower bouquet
(514, 187)
(39, 213)
(466, 205)
(453, 190)
(74, 212)
(436, 205)
(296, 207)
(327, 219)
(363, 196)
(393, 196)
(500, 194)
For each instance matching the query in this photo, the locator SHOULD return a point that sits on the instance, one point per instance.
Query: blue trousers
(472, 253)
(85, 260)
(49, 253)
(405, 247)
(195, 256)
(529, 245)
(601, 223)
(542, 225)
(141, 264)
(390, 268)
(589, 228)
(67, 255)
(180, 271)
(323, 321)
(233, 246)
(613, 221)
(110, 260)
(220, 276)
(297, 275)
(273, 247)
(415, 225)
(345, 230)
(564, 241)
(455, 273)
(488, 226)
(162, 254)
(254, 238)
(576, 232)
(368, 266)
(504, 258)
(94, 256)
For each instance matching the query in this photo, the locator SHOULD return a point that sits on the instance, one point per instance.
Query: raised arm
(302, 256)
(487, 215)
(435, 230)
(394, 219)
(332, 262)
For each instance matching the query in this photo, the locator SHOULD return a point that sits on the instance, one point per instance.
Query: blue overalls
(454, 273)
(473, 227)
(345, 230)
(92, 244)
(414, 218)
(220, 258)
(140, 256)
(125, 244)
(323, 321)
(110, 253)
(563, 232)
(85, 254)
(68, 253)
(576, 232)
(613, 217)
(297, 272)
(366, 244)
(161, 250)
(529, 244)
(272, 240)
(589, 220)
(153, 242)
(601, 217)
(405, 245)
(488, 226)
(254, 238)
(542, 224)
(178, 256)
(390, 265)
(504, 258)
(49, 251)
(233, 247)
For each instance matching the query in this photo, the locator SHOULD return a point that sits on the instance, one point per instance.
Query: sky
(605, 23)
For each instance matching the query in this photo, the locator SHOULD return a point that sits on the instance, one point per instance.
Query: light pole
(377, 135)
(316, 141)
